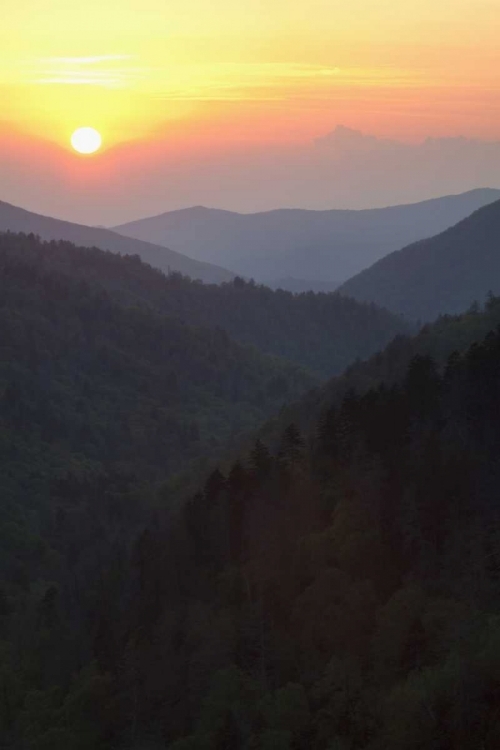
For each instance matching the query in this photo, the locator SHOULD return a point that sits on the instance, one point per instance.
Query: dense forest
(124, 381)
(335, 588)
(348, 584)
(100, 402)
(321, 332)
(448, 334)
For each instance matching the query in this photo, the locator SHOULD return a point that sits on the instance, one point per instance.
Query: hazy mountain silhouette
(345, 169)
(306, 245)
(444, 274)
(15, 219)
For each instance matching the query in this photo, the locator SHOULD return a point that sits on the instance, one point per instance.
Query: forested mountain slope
(16, 219)
(322, 332)
(444, 274)
(97, 399)
(439, 340)
(309, 246)
(357, 604)
(291, 284)
(338, 592)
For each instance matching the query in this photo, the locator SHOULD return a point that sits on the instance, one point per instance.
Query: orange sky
(204, 76)
(130, 67)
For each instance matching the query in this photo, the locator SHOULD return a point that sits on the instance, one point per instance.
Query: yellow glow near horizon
(167, 63)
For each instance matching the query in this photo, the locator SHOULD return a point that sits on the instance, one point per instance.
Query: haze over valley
(312, 246)
(249, 375)
(297, 163)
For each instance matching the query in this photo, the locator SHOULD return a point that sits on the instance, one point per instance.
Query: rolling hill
(308, 246)
(16, 219)
(320, 332)
(338, 590)
(443, 274)
(151, 372)
(356, 604)
(93, 392)
(442, 339)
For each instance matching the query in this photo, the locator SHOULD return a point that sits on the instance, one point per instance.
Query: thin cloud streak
(270, 82)
(218, 82)
(92, 60)
(98, 70)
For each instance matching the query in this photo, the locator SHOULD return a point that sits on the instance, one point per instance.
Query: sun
(86, 140)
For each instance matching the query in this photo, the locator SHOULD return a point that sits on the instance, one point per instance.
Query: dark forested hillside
(99, 403)
(321, 332)
(73, 355)
(15, 219)
(310, 246)
(340, 592)
(448, 334)
(356, 603)
(336, 591)
(444, 274)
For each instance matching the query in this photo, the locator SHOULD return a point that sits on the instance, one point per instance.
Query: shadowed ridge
(15, 219)
(443, 274)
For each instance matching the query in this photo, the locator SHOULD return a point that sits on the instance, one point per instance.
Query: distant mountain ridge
(15, 219)
(305, 245)
(443, 274)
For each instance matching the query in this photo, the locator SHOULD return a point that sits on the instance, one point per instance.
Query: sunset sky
(173, 86)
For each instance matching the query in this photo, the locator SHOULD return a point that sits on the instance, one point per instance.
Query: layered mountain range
(310, 248)
(15, 219)
(335, 585)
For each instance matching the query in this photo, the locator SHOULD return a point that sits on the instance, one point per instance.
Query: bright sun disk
(86, 140)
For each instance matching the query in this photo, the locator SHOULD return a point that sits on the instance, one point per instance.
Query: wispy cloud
(263, 81)
(90, 60)
(269, 81)
(109, 71)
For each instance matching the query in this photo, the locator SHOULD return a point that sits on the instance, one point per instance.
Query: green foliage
(101, 401)
(443, 341)
(323, 333)
(336, 589)
(367, 618)
(287, 710)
